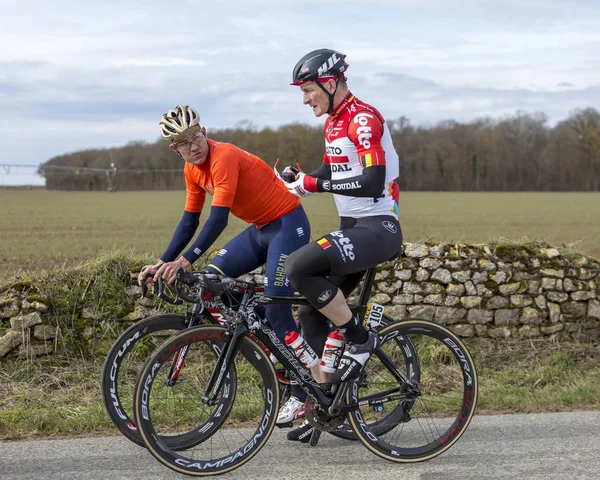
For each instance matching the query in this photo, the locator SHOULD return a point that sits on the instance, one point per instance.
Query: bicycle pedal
(285, 425)
(314, 438)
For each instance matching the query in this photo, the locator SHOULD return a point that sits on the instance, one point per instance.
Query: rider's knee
(306, 262)
(294, 267)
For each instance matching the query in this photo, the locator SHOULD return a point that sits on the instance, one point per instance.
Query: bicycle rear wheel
(121, 369)
(434, 412)
(163, 411)
(123, 363)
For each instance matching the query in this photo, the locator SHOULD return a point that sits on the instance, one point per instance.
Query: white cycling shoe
(290, 411)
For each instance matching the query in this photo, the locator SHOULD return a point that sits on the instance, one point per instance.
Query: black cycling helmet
(319, 66)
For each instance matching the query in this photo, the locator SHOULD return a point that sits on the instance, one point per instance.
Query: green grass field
(44, 229)
(60, 396)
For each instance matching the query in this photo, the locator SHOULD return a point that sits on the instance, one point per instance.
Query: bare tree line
(518, 153)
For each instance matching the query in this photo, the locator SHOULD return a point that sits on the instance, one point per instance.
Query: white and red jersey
(356, 136)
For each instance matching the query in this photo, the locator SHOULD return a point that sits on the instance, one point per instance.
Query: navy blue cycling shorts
(270, 246)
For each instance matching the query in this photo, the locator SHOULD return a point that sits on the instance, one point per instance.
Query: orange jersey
(238, 180)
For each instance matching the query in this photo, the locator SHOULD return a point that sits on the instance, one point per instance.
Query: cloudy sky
(77, 75)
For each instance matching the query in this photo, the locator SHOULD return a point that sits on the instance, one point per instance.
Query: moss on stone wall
(497, 291)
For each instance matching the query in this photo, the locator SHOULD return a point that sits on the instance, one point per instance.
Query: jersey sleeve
(195, 195)
(225, 171)
(365, 130)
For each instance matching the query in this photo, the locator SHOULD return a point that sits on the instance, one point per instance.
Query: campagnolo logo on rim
(248, 448)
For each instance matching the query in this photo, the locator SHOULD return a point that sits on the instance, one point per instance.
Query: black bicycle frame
(285, 356)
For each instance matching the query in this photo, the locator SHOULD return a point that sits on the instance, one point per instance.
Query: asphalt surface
(541, 446)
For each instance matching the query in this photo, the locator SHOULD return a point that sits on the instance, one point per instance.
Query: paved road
(548, 446)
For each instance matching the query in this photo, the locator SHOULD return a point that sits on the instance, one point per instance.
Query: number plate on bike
(374, 314)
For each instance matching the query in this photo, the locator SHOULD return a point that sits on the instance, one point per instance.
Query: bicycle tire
(135, 343)
(260, 389)
(438, 409)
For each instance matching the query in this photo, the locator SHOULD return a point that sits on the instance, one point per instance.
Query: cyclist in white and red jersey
(359, 167)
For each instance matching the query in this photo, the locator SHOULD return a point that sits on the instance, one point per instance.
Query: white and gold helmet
(177, 120)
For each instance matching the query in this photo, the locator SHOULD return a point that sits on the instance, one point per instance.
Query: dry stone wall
(501, 291)
(492, 291)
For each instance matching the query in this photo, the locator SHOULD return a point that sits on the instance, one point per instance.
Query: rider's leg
(314, 330)
(308, 269)
(314, 324)
(240, 255)
(347, 251)
(271, 244)
(338, 312)
(281, 238)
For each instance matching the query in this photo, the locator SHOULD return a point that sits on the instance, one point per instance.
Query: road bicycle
(226, 389)
(129, 351)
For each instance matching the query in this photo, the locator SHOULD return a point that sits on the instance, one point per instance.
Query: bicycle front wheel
(434, 412)
(164, 409)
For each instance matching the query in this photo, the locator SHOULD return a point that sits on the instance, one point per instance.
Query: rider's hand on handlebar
(147, 272)
(168, 271)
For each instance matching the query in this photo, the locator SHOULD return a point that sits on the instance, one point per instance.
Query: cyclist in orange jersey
(244, 185)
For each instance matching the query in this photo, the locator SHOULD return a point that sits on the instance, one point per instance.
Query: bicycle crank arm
(314, 437)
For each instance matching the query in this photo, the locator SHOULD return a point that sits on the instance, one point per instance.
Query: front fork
(193, 318)
(223, 362)
(176, 366)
